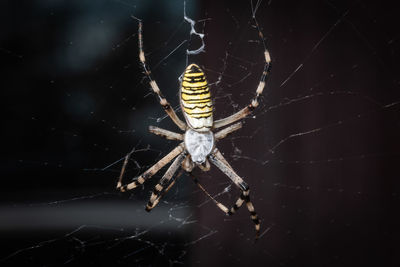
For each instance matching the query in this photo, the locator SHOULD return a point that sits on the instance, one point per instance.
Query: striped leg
(167, 189)
(164, 103)
(218, 160)
(254, 103)
(224, 132)
(243, 197)
(121, 175)
(219, 204)
(155, 196)
(165, 133)
(150, 172)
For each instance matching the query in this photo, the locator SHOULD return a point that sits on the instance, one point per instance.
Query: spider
(197, 147)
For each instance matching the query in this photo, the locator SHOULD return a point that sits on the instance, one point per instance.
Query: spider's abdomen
(196, 99)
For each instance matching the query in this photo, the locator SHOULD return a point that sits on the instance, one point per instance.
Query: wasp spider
(199, 138)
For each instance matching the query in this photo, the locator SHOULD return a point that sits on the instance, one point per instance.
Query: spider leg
(254, 103)
(155, 196)
(165, 133)
(121, 175)
(167, 189)
(164, 103)
(224, 132)
(218, 160)
(219, 204)
(150, 172)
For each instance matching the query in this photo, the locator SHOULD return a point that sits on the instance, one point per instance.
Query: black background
(75, 100)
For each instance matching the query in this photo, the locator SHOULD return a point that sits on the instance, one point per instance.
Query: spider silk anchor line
(198, 148)
(193, 32)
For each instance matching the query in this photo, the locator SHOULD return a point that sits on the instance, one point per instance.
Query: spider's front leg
(150, 172)
(254, 103)
(163, 101)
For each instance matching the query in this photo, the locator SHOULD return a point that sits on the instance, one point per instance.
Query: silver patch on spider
(199, 144)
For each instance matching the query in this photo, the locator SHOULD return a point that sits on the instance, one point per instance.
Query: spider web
(319, 153)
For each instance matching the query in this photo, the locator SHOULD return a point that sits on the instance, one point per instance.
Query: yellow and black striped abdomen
(196, 99)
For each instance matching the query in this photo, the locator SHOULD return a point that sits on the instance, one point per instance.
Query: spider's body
(197, 108)
(198, 143)
(196, 100)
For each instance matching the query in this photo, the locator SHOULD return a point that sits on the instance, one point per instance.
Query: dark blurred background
(321, 153)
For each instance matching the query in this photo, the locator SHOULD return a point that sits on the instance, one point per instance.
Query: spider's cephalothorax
(196, 99)
(197, 147)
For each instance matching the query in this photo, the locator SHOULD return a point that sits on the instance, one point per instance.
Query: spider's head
(195, 98)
